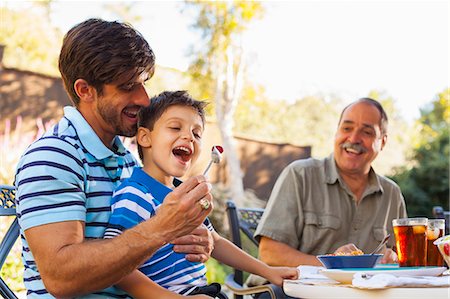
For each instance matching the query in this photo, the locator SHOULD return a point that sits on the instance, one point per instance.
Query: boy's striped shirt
(136, 200)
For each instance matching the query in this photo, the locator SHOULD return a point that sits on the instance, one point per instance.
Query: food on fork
(216, 152)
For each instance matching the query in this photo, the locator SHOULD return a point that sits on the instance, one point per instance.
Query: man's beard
(110, 116)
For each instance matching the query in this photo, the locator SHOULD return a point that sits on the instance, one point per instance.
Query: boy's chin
(179, 173)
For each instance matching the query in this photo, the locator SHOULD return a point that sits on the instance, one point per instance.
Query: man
(66, 178)
(337, 204)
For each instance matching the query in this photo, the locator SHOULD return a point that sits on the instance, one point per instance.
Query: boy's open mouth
(183, 153)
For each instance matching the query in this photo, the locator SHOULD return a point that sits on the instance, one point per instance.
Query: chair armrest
(237, 289)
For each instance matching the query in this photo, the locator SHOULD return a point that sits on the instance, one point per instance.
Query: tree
(399, 133)
(426, 183)
(32, 43)
(124, 11)
(220, 65)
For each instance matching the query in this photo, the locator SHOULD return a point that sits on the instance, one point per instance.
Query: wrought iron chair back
(246, 220)
(8, 208)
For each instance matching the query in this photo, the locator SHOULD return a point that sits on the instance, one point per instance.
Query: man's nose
(355, 137)
(141, 97)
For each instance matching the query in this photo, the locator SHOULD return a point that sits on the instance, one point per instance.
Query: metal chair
(439, 212)
(246, 220)
(8, 208)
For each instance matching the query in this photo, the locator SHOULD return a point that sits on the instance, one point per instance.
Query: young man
(66, 178)
(335, 204)
(169, 141)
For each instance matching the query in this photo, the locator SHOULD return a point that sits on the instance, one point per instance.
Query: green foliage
(399, 136)
(426, 183)
(216, 272)
(300, 123)
(12, 270)
(221, 24)
(31, 42)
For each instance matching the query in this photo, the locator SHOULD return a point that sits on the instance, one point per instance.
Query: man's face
(358, 139)
(119, 105)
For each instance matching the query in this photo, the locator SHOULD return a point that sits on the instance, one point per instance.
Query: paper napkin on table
(381, 281)
(311, 275)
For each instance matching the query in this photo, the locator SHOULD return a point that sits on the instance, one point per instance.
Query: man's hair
(376, 104)
(160, 103)
(103, 52)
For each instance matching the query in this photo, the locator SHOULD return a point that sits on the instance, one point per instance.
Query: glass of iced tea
(411, 241)
(435, 230)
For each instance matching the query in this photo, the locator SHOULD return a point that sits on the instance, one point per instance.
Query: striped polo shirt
(68, 174)
(136, 200)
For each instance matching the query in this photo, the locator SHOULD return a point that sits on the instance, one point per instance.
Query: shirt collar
(158, 190)
(89, 138)
(332, 176)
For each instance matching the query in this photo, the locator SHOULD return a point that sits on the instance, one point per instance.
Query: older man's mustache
(358, 148)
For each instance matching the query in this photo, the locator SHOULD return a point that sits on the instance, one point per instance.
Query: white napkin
(381, 281)
(311, 275)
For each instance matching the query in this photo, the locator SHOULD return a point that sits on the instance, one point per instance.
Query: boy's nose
(188, 135)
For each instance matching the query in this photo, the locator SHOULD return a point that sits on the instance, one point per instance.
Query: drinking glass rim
(410, 221)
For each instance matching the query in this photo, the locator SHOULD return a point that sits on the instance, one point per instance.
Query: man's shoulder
(308, 163)
(62, 134)
(388, 183)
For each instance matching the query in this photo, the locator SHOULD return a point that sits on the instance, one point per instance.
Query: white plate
(299, 290)
(346, 275)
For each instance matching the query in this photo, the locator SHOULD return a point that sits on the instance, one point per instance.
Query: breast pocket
(379, 233)
(318, 222)
(319, 233)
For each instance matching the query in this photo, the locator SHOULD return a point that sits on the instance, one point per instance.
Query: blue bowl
(349, 261)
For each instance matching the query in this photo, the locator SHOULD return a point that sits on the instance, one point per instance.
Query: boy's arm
(140, 286)
(231, 255)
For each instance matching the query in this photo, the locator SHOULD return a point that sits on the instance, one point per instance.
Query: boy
(169, 142)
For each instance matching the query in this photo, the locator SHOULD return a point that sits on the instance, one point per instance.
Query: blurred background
(276, 75)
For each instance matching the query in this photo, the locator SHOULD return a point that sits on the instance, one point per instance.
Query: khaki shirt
(312, 210)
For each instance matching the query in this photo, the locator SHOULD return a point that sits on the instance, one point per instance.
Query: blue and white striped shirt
(68, 174)
(136, 200)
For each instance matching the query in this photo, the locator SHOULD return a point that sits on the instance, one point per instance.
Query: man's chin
(128, 133)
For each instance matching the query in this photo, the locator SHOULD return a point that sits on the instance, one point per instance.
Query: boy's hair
(160, 103)
(103, 52)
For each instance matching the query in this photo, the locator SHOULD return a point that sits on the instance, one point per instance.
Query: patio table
(295, 288)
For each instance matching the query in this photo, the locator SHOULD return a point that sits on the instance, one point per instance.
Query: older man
(335, 204)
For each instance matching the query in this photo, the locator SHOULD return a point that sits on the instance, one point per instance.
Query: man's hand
(389, 257)
(181, 212)
(347, 249)
(197, 246)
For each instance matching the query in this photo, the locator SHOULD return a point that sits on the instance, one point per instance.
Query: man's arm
(276, 253)
(71, 266)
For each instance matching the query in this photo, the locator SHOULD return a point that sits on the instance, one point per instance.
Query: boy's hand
(197, 246)
(278, 274)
